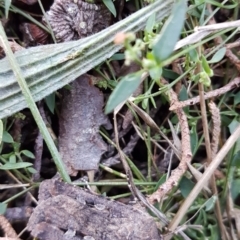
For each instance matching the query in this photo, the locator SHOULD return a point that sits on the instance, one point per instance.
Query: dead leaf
(80, 145)
(68, 212)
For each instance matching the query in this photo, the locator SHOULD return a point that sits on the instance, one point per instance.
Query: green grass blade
(51, 67)
(170, 32)
(31, 104)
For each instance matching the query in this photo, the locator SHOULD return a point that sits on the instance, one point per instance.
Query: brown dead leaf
(68, 212)
(80, 145)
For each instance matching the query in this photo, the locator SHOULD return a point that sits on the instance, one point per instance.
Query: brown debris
(17, 214)
(75, 19)
(80, 145)
(33, 35)
(68, 211)
(7, 228)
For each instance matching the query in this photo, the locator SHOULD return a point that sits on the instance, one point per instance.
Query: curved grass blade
(50, 67)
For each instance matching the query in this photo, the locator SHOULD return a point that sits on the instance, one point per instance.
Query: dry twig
(215, 93)
(216, 127)
(186, 152)
(7, 228)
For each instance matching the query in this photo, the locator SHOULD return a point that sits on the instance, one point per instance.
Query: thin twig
(186, 152)
(205, 178)
(7, 228)
(215, 93)
(134, 190)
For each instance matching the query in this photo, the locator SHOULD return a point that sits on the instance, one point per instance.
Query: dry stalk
(186, 152)
(205, 178)
(213, 147)
(216, 127)
(7, 228)
(215, 93)
(215, 114)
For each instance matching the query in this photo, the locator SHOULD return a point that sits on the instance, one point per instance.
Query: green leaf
(186, 186)
(10, 166)
(3, 208)
(7, 7)
(123, 90)
(170, 32)
(235, 190)
(217, 4)
(194, 138)
(109, 4)
(1, 131)
(150, 23)
(167, 73)
(32, 170)
(12, 159)
(155, 73)
(6, 137)
(206, 67)
(160, 182)
(236, 160)
(218, 56)
(193, 54)
(237, 98)
(183, 95)
(28, 154)
(232, 126)
(209, 205)
(50, 101)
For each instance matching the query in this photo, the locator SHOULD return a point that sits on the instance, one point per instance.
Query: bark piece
(75, 19)
(68, 211)
(80, 145)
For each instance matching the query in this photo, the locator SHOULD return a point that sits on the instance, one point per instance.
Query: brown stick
(7, 228)
(186, 152)
(215, 93)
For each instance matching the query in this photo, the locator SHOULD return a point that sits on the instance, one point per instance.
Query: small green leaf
(218, 56)
(167, 73)
(235, 190)
(210, 203)
(237, 98)
(193, 54)
(118, 56)
(7, 7)
(6, 137)
(145, 103)
(123, 90)
(194, 139)
(150, 23)
(155, 73)
(50, 101)
(170, 32)
(12, 159)
(186, 186)
(3, 208)
(206, 67)
(183, 95)
(1, 131)
(109, 4)
(236, 160)
(232, 126)
(32, 170)
(160, 182)
(28, 154)
(10, 166)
